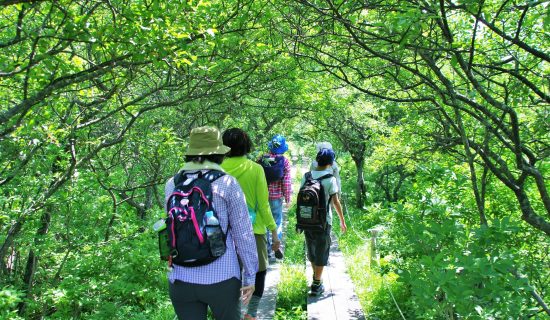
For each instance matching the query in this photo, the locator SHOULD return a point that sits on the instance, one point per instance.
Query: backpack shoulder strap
(308, 176)
(178, 178)
(328, 175)
(210, 175)
(213, 175)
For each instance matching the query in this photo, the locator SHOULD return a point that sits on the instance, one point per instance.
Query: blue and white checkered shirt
(229, 202)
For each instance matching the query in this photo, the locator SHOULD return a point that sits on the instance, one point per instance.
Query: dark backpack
(312, 210)
(274, 167)
(195, 236)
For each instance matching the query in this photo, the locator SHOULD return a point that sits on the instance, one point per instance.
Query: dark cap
(325, 157)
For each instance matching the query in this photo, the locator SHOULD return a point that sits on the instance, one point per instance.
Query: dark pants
(260, 284)
(318, 246)
(190, 300)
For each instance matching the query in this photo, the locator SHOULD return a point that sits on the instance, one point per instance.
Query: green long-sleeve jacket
(251, 177)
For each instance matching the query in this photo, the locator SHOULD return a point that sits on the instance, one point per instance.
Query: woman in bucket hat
(217, 285)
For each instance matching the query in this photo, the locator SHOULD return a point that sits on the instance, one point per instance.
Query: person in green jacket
(251, 177)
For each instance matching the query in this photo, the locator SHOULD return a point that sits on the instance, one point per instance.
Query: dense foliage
(438, 110)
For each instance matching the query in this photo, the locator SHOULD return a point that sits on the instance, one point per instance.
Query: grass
(373, 289)
(292, 288)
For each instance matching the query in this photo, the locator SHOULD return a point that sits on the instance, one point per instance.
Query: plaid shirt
(229, 203)
(283, 187)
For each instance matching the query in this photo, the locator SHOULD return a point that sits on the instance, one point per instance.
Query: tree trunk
(32, 260)
(528, 215)
(470, 159)
(12, 233)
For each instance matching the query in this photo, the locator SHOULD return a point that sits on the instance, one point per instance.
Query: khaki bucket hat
(205, 141)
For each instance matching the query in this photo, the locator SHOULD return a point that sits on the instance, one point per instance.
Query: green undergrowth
(292, 287)
(374, 286)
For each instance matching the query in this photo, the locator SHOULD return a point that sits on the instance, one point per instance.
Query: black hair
(238, 141)
(216, 158)
(325, 157)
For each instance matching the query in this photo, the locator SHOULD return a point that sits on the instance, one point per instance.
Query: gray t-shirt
(329, 185)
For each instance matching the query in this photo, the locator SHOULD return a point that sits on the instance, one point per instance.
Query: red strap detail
(196, 225)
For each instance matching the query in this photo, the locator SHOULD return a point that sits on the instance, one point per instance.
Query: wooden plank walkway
(339, 301)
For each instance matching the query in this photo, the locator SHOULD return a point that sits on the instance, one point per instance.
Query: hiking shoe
(279, 254)
(249, 317)
(317, 289)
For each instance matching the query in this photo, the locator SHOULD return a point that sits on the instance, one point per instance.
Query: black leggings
(191, 301)
(260, 284)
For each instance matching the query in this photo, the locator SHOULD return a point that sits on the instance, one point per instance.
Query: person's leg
(318, 272)
(185, 301)
(278, 216)
(261, 245)
(318, 244)
(322, 247)
(257, 295)
(276, 206)
(261, 249)
(223, 299)
(311, 249)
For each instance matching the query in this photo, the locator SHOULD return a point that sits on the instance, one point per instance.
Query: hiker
(318, 241)
(218, 284)
(250, 176)
(279, 186)
(335, 169)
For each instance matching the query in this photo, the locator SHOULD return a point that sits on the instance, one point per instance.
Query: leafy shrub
(297, 313)
(292, 288)
(9, 298)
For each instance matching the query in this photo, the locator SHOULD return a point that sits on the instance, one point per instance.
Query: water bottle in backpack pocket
(214, 235)
(163, 241)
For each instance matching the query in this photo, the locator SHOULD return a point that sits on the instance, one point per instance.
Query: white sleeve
(333, 186)
(336, 173)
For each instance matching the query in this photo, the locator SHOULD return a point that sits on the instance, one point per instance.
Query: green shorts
(261, 248)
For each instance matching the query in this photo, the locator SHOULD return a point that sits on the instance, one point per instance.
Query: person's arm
(335, 199)
(287, 183)
(243, 236)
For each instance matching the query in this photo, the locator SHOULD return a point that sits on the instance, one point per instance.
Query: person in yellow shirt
(251, 177)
